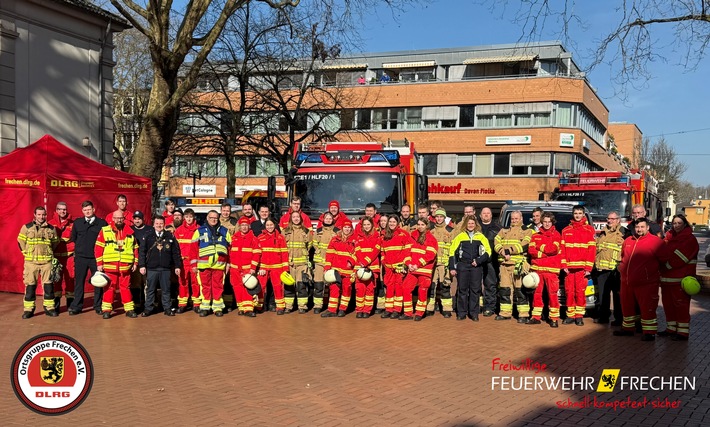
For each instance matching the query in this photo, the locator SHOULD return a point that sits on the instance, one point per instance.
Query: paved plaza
(305, 370)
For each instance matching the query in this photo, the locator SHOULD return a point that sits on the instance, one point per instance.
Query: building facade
(490, 124)
(56, 61)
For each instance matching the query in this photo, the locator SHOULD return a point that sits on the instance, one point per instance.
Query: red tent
(47, 172)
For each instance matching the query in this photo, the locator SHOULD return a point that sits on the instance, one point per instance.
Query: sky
(673, 104)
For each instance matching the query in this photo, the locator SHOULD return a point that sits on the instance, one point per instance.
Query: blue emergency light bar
(389, 156)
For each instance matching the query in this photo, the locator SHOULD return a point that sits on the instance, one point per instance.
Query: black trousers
(468, 293)
(153, 277)
(81, 266)
(607, 284)
(490, 286)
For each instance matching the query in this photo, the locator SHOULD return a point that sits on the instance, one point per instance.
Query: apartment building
(490, 123)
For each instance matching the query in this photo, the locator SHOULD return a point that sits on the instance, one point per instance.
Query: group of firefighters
(384, 260)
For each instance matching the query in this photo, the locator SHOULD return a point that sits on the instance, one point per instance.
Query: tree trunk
(159, 125)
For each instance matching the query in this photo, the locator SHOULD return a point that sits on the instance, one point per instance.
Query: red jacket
(367, 251)
(127, 215)
(306, 221)
(245, 252)
(274, 254)
(641, 258)
(65, 247)
(251, 218)
(375, 223)
(168, 218)
(339, 255)
(396, 249)
(578, 246)
(544, 251)
(423, 255)
(682, 250)
(183, 234)
(337, 220)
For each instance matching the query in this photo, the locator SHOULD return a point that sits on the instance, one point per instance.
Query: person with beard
(248, 212)
(409, 223)
(340, 258)
(420, 264)
(321, 240)
(468, 252)
(545, 254)
(116, 253)
(490, 229)
(227, 221)
(370, 212)
(244, 257)
(187, 279)
(367, 255)
(395, 247)
(511, 244)
(578, 252)
(441, 280)
(683, 249)
(209, 258)
(64, 252)
(274, 261)
(140, 230)
(157, 256)
(84, 234)
(177, 221)
(37, 241)
(607, 282)
(298, 241)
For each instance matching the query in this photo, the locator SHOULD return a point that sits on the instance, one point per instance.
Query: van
(563, 216)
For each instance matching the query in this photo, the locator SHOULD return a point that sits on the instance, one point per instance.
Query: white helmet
(250, 281)
(331, 276)
(364, 274)
(100, 279)
(531, 280)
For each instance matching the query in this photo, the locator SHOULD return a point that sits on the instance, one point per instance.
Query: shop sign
(508, 140)
(567, 140)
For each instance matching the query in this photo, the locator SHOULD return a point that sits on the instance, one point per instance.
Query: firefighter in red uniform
(244, 257)
(122, 203)
(116, 252)
(395, 245)
(187, 281)
(209, 258)
(579, 250)
(274, 261)
(367, 255)
(641, 257)
(64, 252)
(420, 264)
(683, 252)
(340, 257)
(338, 216)
(544, 251)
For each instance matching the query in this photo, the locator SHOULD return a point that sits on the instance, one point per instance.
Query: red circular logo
(52, 374)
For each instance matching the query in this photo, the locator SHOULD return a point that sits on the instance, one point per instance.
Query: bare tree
(663, 161)
(636, 39)
(267, 90)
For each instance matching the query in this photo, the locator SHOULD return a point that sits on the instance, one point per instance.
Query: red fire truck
(355, 174)
(606, 191)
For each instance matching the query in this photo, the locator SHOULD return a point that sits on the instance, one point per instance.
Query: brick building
(491, 123)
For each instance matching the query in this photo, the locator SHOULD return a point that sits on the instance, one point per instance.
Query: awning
(409, 64)
(345, 67)
(497, 59)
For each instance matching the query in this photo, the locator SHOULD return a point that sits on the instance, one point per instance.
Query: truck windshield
(352, 190)
(600, 203)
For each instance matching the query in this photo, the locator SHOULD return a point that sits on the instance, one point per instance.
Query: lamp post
(196, 173)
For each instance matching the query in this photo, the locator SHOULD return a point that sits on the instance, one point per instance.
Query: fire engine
(355, 174)
(606, 191)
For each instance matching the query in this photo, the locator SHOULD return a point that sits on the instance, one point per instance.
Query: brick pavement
(305, 370)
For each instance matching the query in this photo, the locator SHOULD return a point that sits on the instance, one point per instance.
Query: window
(523, 120)
(363, 118)
(465, 164)
(256, 166)
(504, 120)
(565, 115)
(563, 163)
(447, 164)
(347, 119)
(324, 120)
(501, 164)
(530, 163)
(483, 165)
(379, 119)
(542, 119)
(698, 211)
(485, 121)
(467, 116)
(414, 118)
(198, 124)
(429, 162)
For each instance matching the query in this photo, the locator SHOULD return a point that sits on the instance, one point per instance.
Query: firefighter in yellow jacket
(607, 281)
(511, 244)
(441, 278)
(37, 241)
(116, 252)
